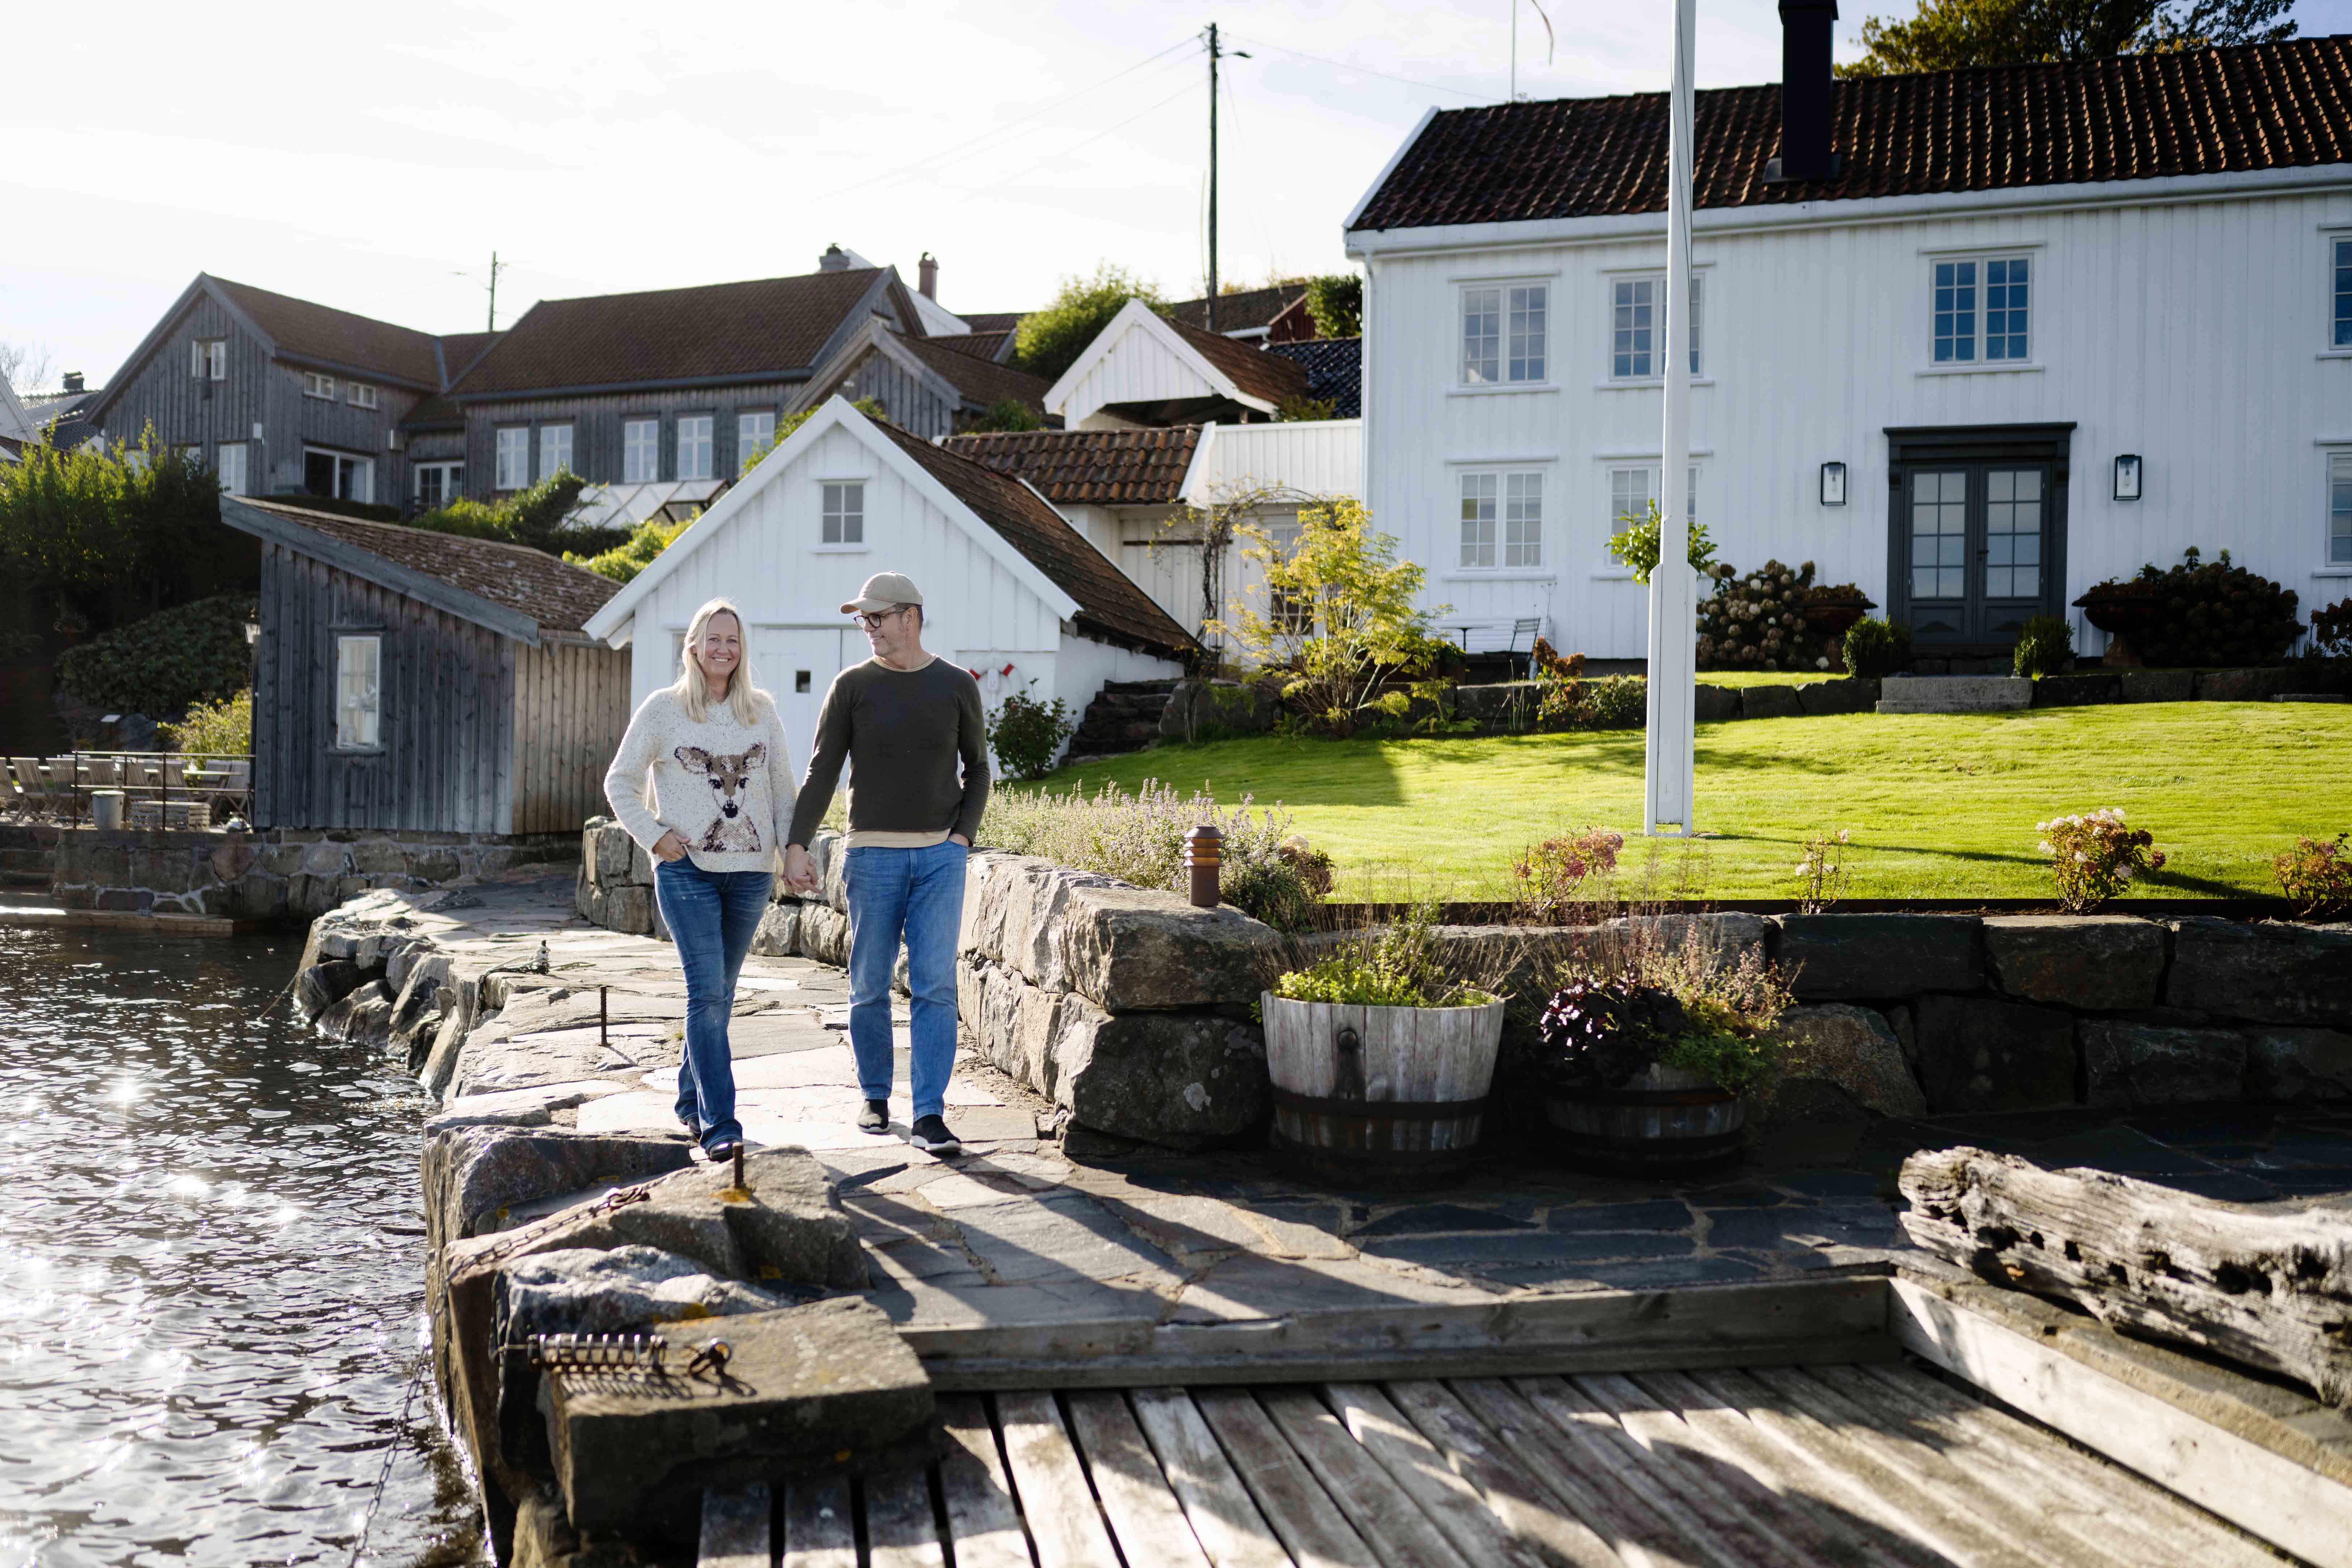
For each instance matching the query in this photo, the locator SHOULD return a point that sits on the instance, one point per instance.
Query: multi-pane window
(2342, 257)
(208, 359)
(844, 514)
(1982, 310)
(554, 450)
(1479, 493)
(437, 484)
(230, 467)
(361, 394)
(1504, 333)
(1502, 519)
(2339, 509)
(514, 458)
(1940, 534)
(1637, 327)
(317, 385)
(1291, 610)
(2013, 534)
(640, 451)
(359, 664)
(1632, 491)
(693, 447)
(752, 431)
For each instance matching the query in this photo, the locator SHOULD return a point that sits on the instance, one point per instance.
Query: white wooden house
(1144, 370)
(1011, 590)
(2011, 332)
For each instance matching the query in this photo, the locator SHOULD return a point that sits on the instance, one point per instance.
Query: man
(903, 720)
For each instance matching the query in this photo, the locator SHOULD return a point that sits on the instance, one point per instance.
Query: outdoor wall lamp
(1833, 484)
(2127, 476)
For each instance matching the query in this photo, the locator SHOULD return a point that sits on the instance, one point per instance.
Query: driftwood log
(2269, 1289)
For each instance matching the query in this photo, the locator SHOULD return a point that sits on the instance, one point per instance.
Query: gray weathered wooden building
(424, 681)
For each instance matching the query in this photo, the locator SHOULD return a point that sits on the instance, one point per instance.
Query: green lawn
(1940, 806)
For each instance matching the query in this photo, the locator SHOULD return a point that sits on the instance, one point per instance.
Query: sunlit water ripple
(211, 1269)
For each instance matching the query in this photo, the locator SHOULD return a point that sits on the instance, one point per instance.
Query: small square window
(801, 682)
(361, 394)
(1637, 326)
(1980, 310)
(317, 385)
(208, 359)
(844, 514)
(1504, 333)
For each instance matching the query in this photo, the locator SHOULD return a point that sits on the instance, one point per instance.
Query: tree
(1339, 620)
(1337, 303)
(1006, 414)
(103, 517)
(537, 517)
(1050, 340)
(1951, 35)
(25, 366)
(637, 553)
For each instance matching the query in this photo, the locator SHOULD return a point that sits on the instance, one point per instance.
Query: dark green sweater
(904, 732)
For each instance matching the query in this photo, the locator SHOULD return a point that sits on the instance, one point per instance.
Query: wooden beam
(735, 1528)
(2270, 1462)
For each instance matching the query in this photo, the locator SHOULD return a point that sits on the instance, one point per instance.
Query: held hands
(799, 870)
(669, 847)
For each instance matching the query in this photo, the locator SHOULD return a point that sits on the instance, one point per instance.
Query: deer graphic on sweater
(730, 831)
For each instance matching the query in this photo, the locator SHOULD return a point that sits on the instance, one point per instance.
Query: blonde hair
(693, 687)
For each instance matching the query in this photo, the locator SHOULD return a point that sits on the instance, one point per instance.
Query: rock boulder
(1848, 957)
(2126, 1065)
(2271, 972)
(2092, 962)
(1977, 1054)
(2287, 1063)
(1853, 1050)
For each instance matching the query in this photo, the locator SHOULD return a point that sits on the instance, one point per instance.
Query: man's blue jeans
(916, 895)
(712, 916)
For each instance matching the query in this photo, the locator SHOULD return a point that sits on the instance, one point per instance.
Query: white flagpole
(1666, 782)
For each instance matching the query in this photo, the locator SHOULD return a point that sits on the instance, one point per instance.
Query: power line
(1365, 70)
(1075, 146)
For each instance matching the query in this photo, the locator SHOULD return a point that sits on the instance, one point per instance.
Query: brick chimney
(927, 276)
(1805, 124)
(834, 259)
(73, 380)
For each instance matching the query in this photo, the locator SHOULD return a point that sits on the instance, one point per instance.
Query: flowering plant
(2317, 876)
(2095, 856)
(1551, 875)
(1821, 873)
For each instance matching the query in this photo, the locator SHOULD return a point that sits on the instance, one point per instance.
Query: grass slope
(1940, 806)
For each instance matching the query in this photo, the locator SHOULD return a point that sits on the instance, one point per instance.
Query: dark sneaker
(875, 1117)
(723, 1150)
(932, 1137)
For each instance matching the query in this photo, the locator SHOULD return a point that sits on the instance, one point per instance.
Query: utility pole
(494, 292)
(1213, 177)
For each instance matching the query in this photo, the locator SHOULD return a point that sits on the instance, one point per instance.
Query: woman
(722, 799)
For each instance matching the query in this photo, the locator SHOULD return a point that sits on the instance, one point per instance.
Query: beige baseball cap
(884, 591)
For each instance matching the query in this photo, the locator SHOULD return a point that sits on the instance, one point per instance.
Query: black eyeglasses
(872, 621)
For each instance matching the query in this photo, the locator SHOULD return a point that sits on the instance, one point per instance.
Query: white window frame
(554, 456)
(208, 359)
(361, 394)
(1656, 278)
(1514, 301)
(510, 443)
(359, 691)
(230, 461)
(317, 385)
(2335, 493)
(1614, 464)
(452, 473)
(1513, 487)
(2339, 292)
(640, 451)
(362, 472)
(698, 436)
(754, 428)
(1981, 334)
(841, 514)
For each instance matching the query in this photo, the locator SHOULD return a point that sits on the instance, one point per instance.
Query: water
(211, 1271)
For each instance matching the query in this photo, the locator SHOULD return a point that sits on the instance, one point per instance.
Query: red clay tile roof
(321, 333)
(773, 326)
(1250, 368)
(981, 380)
(2126, 116)
(1244, 308)
(1097, 467)
(1107, 596)
(558, 595)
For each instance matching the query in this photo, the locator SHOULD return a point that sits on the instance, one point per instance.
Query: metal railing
(160, 789)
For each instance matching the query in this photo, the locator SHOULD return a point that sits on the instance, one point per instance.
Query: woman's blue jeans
(916, 895)
(711, 917)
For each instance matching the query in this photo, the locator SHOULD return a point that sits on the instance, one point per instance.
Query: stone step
(1954, 693)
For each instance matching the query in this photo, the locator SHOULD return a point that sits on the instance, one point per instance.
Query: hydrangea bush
(2094, 857)
(1756, 620)
(2317, 876)
(1557, 877)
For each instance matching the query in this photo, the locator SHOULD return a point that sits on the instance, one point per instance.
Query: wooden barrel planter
(1379, 1097)
(1667, 1118)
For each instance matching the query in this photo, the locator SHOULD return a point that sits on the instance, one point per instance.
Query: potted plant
(1382, 1054)
(1644, 1067)
(1832, 607)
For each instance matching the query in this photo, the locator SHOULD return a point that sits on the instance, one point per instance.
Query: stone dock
(561, 1197)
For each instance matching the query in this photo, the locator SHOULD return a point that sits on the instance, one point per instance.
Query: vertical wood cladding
(572, 704)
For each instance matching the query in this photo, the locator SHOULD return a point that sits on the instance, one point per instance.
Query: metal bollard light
(1204, 849)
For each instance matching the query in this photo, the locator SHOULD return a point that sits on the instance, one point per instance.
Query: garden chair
(30, 794)
(65, 792)
(1529, 628)
(236, 787)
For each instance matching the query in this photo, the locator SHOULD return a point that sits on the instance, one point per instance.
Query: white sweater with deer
(725, 788)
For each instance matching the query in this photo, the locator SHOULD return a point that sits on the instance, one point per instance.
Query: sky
(375, 164)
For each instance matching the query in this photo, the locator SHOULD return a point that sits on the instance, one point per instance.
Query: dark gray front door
(1976, 531)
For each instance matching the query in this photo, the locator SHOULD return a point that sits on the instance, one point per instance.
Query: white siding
(2190, 334)
(1139, 368)
(1305, 458)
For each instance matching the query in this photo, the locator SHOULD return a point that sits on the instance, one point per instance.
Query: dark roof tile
(1097, 467)
(2125, 117)
(1335, 368)
(1250, 368)
(1241, 309)
(321, 333)
(981, 380)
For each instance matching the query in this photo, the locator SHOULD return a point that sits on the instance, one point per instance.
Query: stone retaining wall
(1130, 1009)
(280, 873)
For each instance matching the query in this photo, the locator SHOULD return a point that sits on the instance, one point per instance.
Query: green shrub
(1026, 734)
(2046, 647)
(2331, 630)
(222, 728)
(2198, 613)
(2317, 876)
(1006, 414)
(1298, 407)
(1048, 341)
(1337, 304)
(105, 516)
(536, 518)
(1615, 702)
(634, 554)
(1875, 647)
(167, 662)
(1401, 966)
(365, 511)
(1637, 544)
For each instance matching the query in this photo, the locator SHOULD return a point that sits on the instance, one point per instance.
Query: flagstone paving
(1016, 1231)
